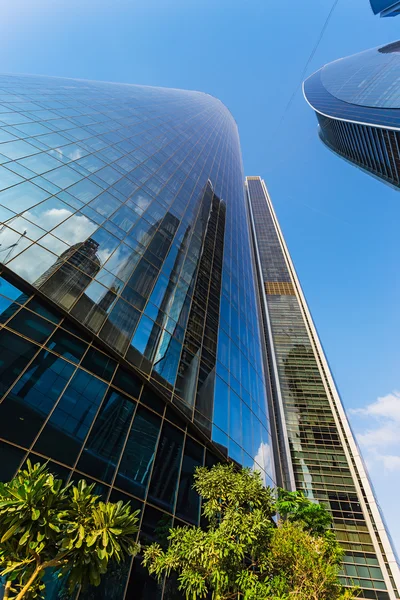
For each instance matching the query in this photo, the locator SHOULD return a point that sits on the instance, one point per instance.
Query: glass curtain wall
(124, 245)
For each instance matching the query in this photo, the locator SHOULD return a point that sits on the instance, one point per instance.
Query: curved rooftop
(364, 87)
(370, 78)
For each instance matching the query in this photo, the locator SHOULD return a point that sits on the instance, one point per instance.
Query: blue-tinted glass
(17, 149)
(22, 196)
(128, 382)
(27, 405)
(8, 178)
(164, 480)
(11, 291)
(40, 163)
(188, 502)
(221, 404)
(44, 311)
(85, 190)
(120, 325)
(137, 460)
(107, 437)
(105, 204)
(155, 526)
(63, 177)
(98, 363)
(69, 424)
(15, 353)
(67, 345)
(7, 309)
(235, 418)
(11, 459)
(31, 325)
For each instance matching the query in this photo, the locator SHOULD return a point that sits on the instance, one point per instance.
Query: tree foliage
(243, 553)
(44, 524)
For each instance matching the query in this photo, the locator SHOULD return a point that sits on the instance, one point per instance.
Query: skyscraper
(385, 8)
(317, 450)
(130, 347)
(356, 101)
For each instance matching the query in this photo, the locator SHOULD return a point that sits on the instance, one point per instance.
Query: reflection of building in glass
(71, 274)
(356, 101)
(130, 347)
(385, 8)
(317, 451)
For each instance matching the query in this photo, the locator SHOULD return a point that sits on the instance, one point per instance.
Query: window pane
(100, 364)
(221, 404)
(137, 460)
(67, 345)
(11, 458)
(127, 382)
(69, 424)
(164, 481)
(235, 420)
(107, 437)
(11, 291)
(25, 408)
(31, 325)
(155, 526)
(120, 325)
(188, 504)
(15, 353)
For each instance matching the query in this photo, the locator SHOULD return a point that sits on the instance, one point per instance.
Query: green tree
(45, 525)
(243, 553)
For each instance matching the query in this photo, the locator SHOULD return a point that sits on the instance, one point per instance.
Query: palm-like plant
(44, 524)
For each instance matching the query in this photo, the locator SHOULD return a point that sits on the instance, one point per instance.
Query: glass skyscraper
(385, 8)
(151, 321)
(356, 101)
(317, 451)
(130, 347)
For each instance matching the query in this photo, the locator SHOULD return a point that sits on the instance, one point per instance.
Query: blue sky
(341, 225)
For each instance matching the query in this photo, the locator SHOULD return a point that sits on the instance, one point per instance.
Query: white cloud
(378, 432)
(386, 406)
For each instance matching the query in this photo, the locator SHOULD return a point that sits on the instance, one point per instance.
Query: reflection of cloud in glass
(11, 243)
(263, 459)
(48, 214)
(76, 229)
(32, 263)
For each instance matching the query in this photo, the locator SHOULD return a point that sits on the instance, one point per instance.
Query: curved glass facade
(127, 265)
(357, 103)
(370, 78)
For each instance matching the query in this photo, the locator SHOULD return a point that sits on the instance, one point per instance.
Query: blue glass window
(11, 458)
(22, 196)
(8, 178)
(31, 325)
(67, 345)
(164, 481)
(188, 502)
(137, 460)
(100, 364)
(107, 437)
(27, 405)
(69, 424)
(15, 353)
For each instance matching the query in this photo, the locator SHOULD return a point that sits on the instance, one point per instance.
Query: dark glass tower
(385, 8)
(130, 348)
(357, 101)
(318, 453)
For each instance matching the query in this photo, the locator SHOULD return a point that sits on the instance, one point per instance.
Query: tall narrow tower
(318, 453)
